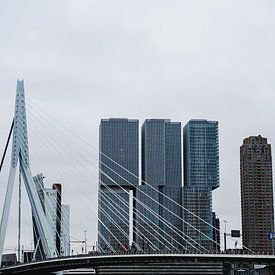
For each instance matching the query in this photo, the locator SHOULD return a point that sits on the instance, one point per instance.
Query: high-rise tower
(201, 176)
(118, 178)
(257, 194)
(57, 215)
(161, 169)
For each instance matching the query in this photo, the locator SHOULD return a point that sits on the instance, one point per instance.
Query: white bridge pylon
(20, 153)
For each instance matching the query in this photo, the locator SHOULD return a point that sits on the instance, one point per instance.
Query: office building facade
(57, 216)
(257, 194)
(65, 230)
(159, 219)
(118, 177)
(201, 177)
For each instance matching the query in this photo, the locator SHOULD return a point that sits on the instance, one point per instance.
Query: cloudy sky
(90, 59)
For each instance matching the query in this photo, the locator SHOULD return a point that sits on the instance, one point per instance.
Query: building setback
(118, 177)
(201, 177)
(257, 194)
(161, 169)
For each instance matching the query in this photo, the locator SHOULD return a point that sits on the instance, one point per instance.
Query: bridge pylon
(20, 154)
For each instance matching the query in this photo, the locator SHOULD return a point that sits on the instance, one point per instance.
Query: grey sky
(86, 60)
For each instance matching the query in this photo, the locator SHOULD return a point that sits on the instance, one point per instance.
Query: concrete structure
(150, 264)
(118, 176)
(201, 177)
(257, 194)
(161, 169)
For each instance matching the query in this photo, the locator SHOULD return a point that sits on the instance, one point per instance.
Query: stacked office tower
(159, 219)
(257, 194)
(118, 178)
(150, 214)
(201, 177)
(57, 215)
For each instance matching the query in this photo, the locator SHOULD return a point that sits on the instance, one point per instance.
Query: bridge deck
(96, 261)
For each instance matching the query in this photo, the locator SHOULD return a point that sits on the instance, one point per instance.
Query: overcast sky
(87, 60)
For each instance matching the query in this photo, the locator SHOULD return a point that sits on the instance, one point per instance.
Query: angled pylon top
(20, 154)
(20, 135)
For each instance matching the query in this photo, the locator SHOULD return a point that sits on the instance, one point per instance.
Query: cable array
(68, 145)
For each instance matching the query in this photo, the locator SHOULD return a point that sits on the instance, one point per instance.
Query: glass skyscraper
(201, 177)
(161, 169)
(153, 216)
(118, 175)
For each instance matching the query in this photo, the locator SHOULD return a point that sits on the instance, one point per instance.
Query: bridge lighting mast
(20, 154)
